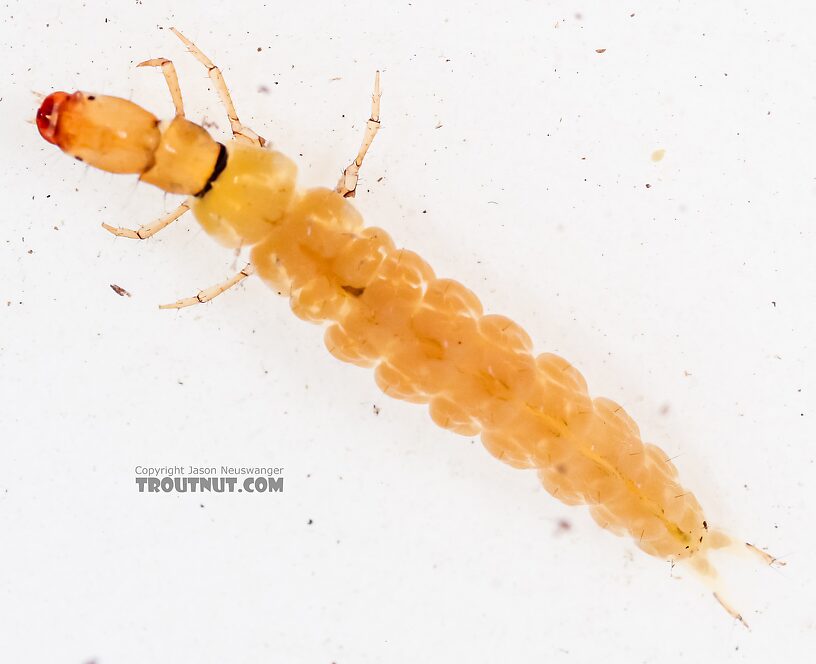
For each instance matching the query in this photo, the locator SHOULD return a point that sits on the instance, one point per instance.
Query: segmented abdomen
(430, 342)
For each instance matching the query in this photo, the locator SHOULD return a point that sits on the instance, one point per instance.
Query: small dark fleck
(309, 522)
(705, 525)
(119, 290)
(648, 186)
(353, 290)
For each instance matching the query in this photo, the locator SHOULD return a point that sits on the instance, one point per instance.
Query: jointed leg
(347, 186)
(239, 130)
(146, 231)
(214, 291)
(169, 71)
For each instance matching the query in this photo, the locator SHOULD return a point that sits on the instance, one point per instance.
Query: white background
(691, 302)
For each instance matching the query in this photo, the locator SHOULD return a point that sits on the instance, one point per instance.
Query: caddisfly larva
(426, 337)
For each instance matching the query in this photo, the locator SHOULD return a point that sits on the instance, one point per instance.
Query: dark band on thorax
(220, 165)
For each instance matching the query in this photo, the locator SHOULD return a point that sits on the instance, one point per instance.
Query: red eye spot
(47, 115)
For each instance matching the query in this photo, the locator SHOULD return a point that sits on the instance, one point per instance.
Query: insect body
(426, 337)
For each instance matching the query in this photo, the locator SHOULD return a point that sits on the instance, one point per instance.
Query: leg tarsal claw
(766, 557)
(240, 131)
(736, 615)
(144, 232)
(214, 291)
(125, 232)
(347, 186)
(170, 75)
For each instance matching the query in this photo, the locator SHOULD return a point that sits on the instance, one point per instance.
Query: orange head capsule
(109, 133)
(118, 136)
